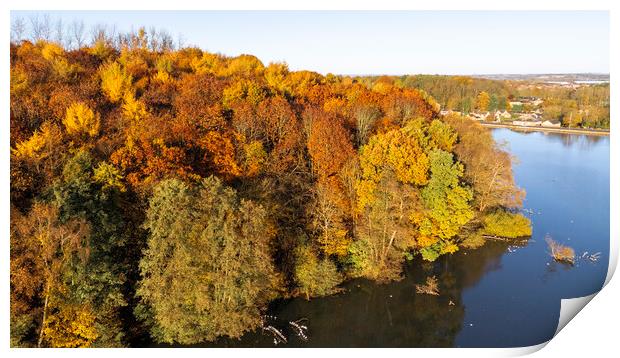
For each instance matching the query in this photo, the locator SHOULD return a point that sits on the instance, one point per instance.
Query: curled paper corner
(523, 351)
(613, 261)
(569, 309)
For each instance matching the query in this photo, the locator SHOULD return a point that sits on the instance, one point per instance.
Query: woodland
(172, 193)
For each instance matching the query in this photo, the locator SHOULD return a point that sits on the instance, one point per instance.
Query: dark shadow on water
(368, 314)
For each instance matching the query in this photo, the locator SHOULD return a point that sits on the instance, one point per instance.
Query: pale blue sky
(387, 42)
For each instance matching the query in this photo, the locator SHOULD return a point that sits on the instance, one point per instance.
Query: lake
(500, 295)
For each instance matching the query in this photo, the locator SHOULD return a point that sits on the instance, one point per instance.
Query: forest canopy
(172, 194)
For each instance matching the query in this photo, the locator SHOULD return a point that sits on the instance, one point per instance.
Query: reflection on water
(567, 139)
(496, 296)
(566, 177)
(389, 315)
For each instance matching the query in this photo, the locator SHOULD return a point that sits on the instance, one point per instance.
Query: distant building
(536, 102)
(529, 117)
(527, 123)
(533, 101)
(499, 115)
(449, 111)
(549, 123)
(479, 116)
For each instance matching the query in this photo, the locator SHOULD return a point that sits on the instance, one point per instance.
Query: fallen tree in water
(559, 252)
(278, 337)
(505, 239)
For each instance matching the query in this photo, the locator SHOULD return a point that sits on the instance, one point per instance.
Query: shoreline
(600, 132)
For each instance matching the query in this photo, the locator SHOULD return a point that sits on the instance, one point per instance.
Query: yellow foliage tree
(398, 150)
(133, 109)
(19, 81)
(275, 75)
(441, 135)
(69, 326)
(115, 82)
(30, 148)
(81, 120)
(54, 53)
(207, 63)
(482, 101)
(101, 49)
(109, 176)
(35, 147)
(243, 90)
(255, 157)
(243, 65)
(51, 50)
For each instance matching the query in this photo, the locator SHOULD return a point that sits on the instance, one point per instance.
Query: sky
(385, 42)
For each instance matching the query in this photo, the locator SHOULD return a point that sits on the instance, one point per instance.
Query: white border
(592, 333)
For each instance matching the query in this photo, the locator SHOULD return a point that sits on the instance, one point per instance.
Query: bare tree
(180, 41)
(153, 39)
(35, 27)
(18, 30)
(77, 33)
(59, 32)
(41, 28)
(166, 41)
(111, 35)
(98, 33)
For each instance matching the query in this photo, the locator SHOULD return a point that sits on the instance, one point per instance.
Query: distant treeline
(585, 106)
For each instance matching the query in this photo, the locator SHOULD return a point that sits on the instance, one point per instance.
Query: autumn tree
(81, 120)
(488, 168)
(365, 113)
(43, 250)
(35, 162)
(197, 106)
(276, 77)
(330, 149)
(393, 166)
(482, 101)
(115, 82)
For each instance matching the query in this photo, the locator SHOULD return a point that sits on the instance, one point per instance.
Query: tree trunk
(47, 295)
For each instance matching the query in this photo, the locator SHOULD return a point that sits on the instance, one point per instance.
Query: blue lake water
(566, 177)
(499, 295)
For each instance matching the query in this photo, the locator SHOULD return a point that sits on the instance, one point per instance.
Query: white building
(479, 116)
(529, 117)
(527, 123)
(499, 115)
(548, 123)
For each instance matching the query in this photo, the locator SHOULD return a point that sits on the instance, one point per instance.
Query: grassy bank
(547, 129)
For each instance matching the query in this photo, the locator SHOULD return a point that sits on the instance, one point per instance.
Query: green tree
(315, 277)
(206, 271)
(447, 204)
(100, 280)
(493, 103)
